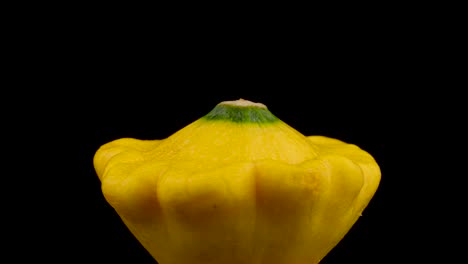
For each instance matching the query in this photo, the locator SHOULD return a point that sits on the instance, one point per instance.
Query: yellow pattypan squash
(237, 185)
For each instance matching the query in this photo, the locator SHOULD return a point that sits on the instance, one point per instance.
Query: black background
(94, 78)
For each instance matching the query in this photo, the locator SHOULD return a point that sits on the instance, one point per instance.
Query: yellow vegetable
(237, 186)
